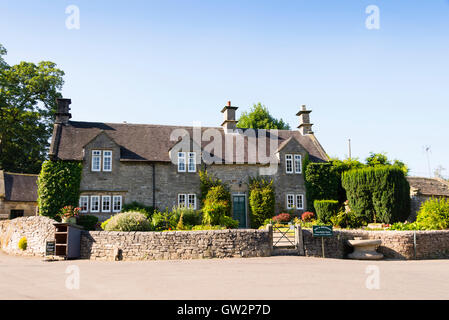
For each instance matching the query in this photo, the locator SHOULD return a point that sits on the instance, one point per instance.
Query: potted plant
(69, 214)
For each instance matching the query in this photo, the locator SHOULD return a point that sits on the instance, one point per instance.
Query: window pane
(117, 203)
(290, 201)
(192, 201)
(181, 162)
(96, 160)
(84, 203)
(107, 160)
(106, 204)
(297, 163)
(181, 200)
(192, 165)
(300, 201)
(288, 163)
(94, 203)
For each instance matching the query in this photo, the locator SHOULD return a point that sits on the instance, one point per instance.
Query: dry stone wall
(114, 245)
(395, 244)
(36, 229)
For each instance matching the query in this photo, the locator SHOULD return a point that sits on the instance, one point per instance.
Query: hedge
(326, 209)
(58, 186)
(380, 194)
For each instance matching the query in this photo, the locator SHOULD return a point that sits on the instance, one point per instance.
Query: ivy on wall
(58, 186)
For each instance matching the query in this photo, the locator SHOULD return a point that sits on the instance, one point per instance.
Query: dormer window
(102, 160)
(186, 161)
(293, 163)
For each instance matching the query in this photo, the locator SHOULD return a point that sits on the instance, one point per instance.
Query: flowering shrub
(23, 244)
(127, 221)
(307, 216)
(69, 212)
(282, 217)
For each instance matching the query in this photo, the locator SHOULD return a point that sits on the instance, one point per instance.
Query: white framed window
(181, 162)
(192, 201)
(288, 163)
(300, 201)
(107, 160)
(191, 162)
(298, 163)
(181, 200)
(96, 160)
(116, 203)
(84, 203)
(106, 204)
(94, 203)
(290, 201)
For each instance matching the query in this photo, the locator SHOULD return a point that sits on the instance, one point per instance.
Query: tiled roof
(429, 186)
(19, 187)
(142, 142)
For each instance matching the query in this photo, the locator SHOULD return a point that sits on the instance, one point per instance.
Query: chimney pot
(229, 122)
(305, 127)
(63, 114)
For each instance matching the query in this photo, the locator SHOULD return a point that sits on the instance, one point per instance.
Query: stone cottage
(18, 195)
(157, 165)
(422, 189)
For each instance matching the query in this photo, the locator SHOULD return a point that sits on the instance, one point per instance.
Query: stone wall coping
(187, 232)
(386, 232)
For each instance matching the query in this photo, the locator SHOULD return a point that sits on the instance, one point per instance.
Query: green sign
(322, 231)
(50, 248)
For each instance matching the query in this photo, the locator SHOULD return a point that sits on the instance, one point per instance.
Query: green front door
(239, 209)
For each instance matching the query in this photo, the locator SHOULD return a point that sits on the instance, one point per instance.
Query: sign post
(322, 231)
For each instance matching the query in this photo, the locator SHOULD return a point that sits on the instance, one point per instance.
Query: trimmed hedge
(261, 201)
(326, 209)
(380, 194)
(58, 185)
(87, 221)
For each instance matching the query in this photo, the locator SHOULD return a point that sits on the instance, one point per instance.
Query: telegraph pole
(349, 147)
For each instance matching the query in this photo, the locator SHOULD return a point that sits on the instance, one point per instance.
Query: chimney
(305, 127)
(62, 114)
(229, 123)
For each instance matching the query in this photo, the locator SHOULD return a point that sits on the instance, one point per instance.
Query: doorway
(239, 209)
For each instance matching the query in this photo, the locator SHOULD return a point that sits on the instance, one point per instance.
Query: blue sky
(176, 62)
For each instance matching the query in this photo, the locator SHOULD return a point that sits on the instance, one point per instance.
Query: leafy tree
(28, 95)
(259, 118)
(380, 159)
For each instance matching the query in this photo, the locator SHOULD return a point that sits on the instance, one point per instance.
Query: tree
(259, 118)
(28, 95)
(380, 159)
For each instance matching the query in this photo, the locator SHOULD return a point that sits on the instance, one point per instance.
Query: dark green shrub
(322, 182)
(128, 221)
(261, 201)
(164, 220)
(228, 222)
(88, 222)
(138, 207)
(326, 209)
(190, 217)
(379, 194)
(58, 186)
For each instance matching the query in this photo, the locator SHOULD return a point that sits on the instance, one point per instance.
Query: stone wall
(36, 230)
(114, 245)
(395, 244)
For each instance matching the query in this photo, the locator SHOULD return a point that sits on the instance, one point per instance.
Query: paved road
(282, 277)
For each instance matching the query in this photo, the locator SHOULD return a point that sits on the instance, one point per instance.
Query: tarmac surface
(277, 277)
